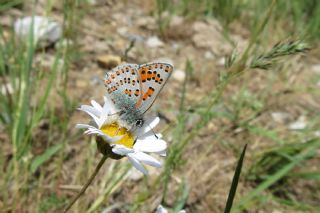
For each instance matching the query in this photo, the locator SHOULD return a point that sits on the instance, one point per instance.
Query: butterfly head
(139, 122)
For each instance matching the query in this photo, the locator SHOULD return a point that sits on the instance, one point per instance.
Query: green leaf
(235, 181)
(39, 160)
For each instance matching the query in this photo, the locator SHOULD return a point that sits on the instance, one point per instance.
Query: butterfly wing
(122, 80)
(151, 78)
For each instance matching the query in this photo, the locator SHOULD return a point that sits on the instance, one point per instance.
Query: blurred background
(271, 105)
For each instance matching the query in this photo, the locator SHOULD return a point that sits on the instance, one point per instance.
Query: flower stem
(84, 188)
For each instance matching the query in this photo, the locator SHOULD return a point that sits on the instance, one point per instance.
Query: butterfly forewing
(123, 79)
(152, 78)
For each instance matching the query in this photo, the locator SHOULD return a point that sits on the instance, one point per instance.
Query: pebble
(179, 75)
(81, 83)
(316, 68)
(280, 117)
(108, 61)
(45, 30)
(176, 21)
(299, 124)
(221, 61)
(134, 174)
(147, 22)
(154, 42)
(209, 55)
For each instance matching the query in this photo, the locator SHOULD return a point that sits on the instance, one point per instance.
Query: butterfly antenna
(153, 132)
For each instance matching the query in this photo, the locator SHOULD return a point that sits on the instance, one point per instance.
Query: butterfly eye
(139, 123)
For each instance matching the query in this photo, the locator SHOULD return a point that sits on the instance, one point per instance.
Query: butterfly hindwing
(152, 78)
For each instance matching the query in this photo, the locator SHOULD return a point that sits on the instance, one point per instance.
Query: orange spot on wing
(148, 94)
(168, 69)
(149, 75)
(137, 92)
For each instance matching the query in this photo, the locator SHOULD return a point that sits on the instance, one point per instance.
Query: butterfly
(133, 88)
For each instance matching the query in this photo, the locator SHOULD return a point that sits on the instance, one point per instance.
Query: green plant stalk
(181, 125)
(20, 116)
(84, 188)
(115, 181)
(235, 181)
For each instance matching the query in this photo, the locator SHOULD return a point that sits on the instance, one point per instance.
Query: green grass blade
(39, 160)
(235, 181)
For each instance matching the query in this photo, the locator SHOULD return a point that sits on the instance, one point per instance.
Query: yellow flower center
(114, 129)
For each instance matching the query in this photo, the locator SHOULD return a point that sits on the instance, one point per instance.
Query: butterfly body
(127, 110)
(133, 89)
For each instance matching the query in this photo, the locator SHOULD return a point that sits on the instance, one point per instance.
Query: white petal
(182, 211)
(96, 105)
(110, 139)
(121, 150)
(102, 120)
(89, 109)
(150, 145)
(147, 159)
(109, 104)
(153, 123)
(150, 134)
(95, 131)
(82, 126)
(148, 126)
(163, 153)
(85, 109)
(149, 137)
(106, 110)
(137, 164)
(160, 209)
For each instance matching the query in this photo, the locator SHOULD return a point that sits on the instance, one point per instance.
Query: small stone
(154, 42)
(123, 31)
(81, 84)
(299, 124)
(316, 68)
(316, 133)
(221, 61)
(134, 174)
(179, 75)
(280, 117)
(176, 21)
(45, 30)
(209, 55)
(108, 61)
(147, 22)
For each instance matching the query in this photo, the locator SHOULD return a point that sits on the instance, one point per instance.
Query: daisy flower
(117, 141)
(161, 209)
